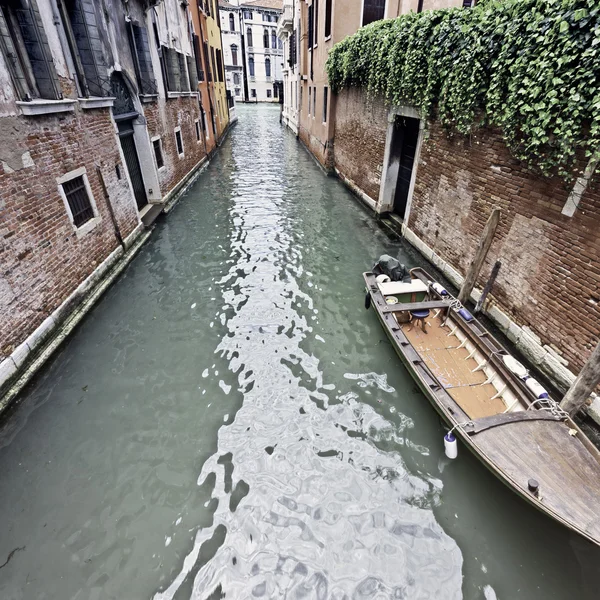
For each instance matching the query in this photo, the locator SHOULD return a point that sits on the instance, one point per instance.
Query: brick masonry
(42, 259)
(550, 276)
(163, 117)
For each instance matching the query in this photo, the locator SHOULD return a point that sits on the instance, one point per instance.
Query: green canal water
(229, 422)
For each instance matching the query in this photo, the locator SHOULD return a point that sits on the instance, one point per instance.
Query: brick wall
(42, 260)
(550, 274)
(360, 131)
(162, 118)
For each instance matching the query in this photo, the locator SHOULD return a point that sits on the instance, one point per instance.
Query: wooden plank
(403, 307)
(498, 420)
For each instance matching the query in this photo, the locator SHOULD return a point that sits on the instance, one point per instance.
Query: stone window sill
(147, 98)
(91, 103)
(328, 38)
(87, 227)
(181, 94)
(46, 107)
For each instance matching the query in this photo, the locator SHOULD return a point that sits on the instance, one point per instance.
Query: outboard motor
(388, 265)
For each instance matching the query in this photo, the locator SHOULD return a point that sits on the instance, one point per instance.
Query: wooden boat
(490, 401)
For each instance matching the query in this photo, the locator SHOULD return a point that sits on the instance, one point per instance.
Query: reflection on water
(324, 514)
(230, 422)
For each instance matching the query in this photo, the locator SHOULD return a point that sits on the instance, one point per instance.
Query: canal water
(230, 422)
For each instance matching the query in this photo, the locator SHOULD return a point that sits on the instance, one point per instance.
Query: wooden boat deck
(568, 474)
(453, 369)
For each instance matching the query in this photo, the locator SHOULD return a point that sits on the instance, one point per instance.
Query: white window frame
(362, 10)
(86, 227)
(178, 129)
(198, 131)
(162, 152)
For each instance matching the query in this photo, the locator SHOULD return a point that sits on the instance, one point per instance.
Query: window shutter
(184, 82)
(193, 73)
(198, 57)
(12, 59)
(142, 49)
(173, 73)
(207, 62)
(89, 44)
(310, 26)
(38, 51)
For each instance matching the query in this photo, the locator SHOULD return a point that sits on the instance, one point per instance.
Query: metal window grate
(158, 154)
(78, 200)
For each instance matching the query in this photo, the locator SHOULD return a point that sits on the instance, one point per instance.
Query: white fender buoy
(382, 278)
(450, 445)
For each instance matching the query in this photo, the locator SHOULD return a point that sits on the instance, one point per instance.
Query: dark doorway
(132, 161)
(406, 135)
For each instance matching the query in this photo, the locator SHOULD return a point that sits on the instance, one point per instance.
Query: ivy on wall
(530, 67)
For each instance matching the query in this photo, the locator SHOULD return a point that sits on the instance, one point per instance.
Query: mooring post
(488, 287)
(584, 385)
(482, 249)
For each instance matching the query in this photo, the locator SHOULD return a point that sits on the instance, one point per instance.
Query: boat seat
(396, 288)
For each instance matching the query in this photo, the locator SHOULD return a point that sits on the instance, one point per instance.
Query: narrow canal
(230, 422)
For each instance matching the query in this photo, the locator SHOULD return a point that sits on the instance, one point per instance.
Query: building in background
(323, 24)
(215, 49)
(101, 124)
(260, 50)
(288, 31)
(233, 49)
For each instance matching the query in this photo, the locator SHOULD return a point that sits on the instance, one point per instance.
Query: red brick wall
(550, 274)
(360, 131)
(162, 118)
(42, 261)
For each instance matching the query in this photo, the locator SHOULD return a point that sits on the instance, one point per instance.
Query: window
(192, 73)
(325, 94)
(234, 55)
(268, 93)
(179, 141)
(253, 93)
(237, 91)
(249, 37)
(184, 80)
(248, 14)
(266, 38)
(373, 10)
(268, 67)
(219, 59)
(310, 26)
(280, 44)
(198, 136)
(316, 23)
(81, 25)
(197, 57)
(77, 195)
(231, 22)
(309, 98)
(204, 123)
(140, 50)
(273, 39)
(314, 109)
(251, 66)
(275, 90)
(236, 79)
(172, 68)
(328, 18)
(160, 162)
(293, 59)
(266, 17)
(25, 47)
(214, 65)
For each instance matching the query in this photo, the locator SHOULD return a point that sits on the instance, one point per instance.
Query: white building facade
(253, 53)
(233, 56)
(288, 27)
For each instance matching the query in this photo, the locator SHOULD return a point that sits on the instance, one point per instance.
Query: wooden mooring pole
(482, 249)
(488, 287)
(584, 385)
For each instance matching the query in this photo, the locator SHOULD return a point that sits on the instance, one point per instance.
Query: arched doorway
(124, 113)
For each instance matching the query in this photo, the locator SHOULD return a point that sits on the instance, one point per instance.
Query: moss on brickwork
(530, 67)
